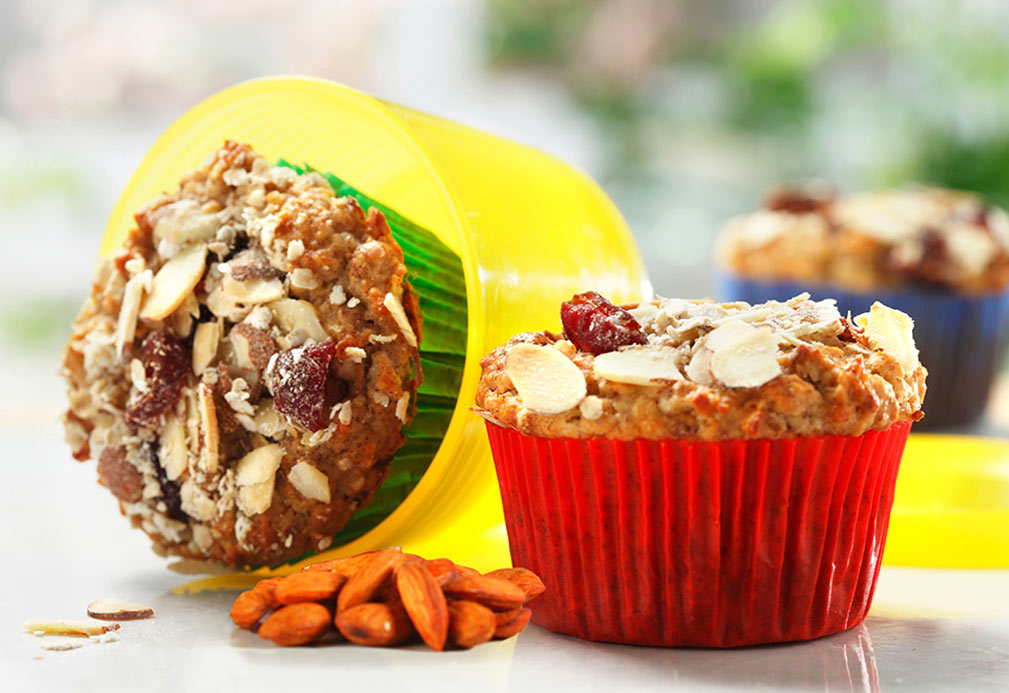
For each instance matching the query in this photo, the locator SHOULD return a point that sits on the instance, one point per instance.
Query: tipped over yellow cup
(529, 230)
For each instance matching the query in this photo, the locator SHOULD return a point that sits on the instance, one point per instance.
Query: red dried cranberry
(166, 361)
(298, 383)
(595, 325)
(797, 201)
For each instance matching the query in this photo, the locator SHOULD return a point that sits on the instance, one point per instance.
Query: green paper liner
(436, 275)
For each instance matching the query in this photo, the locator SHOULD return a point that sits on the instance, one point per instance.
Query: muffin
(244, 366)
(938, 255)
(695, 473)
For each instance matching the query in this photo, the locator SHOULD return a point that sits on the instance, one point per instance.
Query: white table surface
(66, 545)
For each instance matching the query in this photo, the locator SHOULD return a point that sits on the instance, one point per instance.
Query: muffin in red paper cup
(687, 473)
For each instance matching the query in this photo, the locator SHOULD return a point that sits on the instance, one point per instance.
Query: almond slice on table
(638, 365)
(83, 629)
(174, 281)
(118, 610)
(546, 380)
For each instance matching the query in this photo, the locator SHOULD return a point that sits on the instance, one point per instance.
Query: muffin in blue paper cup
(940, 256)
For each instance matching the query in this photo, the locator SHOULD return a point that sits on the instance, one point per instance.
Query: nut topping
(546, 380)
(174, 282)
(639, 365)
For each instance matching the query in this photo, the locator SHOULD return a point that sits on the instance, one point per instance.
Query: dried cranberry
(166, 361)
(595, 325)
(797, 201)
(298, 383)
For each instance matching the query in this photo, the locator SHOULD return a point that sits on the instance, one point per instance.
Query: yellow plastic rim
(951, 505)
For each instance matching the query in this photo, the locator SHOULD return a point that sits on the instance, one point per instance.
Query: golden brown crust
(267, 229)
(829, 384)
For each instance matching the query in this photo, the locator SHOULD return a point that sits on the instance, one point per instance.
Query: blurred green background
(685, 111)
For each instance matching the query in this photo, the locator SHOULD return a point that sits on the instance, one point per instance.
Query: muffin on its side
(939, 255)
(701, 473)
(244, 365)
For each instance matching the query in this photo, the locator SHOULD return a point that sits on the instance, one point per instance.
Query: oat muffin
(707, 371)
(940, 256)
(918, 237)
(245, 364)
(701, 474)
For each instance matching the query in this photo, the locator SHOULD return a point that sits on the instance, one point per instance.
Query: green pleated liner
(436, 275)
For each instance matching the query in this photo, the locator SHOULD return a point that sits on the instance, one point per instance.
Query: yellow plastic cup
(530, 232)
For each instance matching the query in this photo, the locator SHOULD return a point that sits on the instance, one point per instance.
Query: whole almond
(347, 566)
(374, 625)
(249, 607)
(442, 570)
(511, 623)
(466, 570)
(470, 624)
(296, 624)
(268, 587)
(314, 586)
(498, 594)
(370, 579)
(424, 602)
(526, 580)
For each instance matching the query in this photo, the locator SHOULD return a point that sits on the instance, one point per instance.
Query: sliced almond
(186, 222)
(252, 290)
(399, 315)
(185, 315)
(749, 361)
(699, 368)
(255, 498)
(892, 331)
(546, 380)
(292, 313)
(195, 502)
(639, 365)
(174, 281)
(118, 610)
(310, 482)
(259, 465)
(728, 334)
(82, 629)
(133, 294)
(205, 342)
(304, 278)
(172, 453)
(210, 453)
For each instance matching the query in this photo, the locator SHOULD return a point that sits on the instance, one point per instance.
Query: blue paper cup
(961, 338)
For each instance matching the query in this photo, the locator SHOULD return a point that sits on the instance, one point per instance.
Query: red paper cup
(710, 544)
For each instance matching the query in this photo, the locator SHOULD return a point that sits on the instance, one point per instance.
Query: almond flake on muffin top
(697, 369)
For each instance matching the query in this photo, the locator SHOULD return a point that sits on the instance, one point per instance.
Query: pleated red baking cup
(708, 544)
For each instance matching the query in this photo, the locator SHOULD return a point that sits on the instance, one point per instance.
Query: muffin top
(700, 370)
(245, 364)
(923, 237)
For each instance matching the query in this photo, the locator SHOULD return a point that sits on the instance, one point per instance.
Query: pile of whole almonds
(386, 597)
